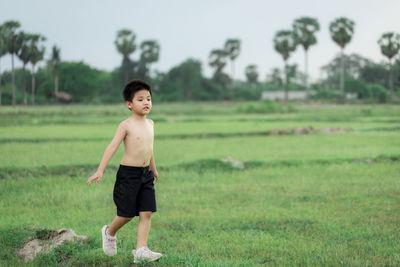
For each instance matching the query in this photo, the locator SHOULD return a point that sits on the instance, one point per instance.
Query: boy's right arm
(109, 152)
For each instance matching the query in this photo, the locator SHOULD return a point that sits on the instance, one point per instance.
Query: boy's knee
(145, 215)
(126, 218)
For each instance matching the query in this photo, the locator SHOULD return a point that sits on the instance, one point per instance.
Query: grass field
(318, 199)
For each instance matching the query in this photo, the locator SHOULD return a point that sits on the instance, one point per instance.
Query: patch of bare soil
(47, 239)
(308, 130)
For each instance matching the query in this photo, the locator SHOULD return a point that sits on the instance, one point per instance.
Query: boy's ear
(128, 104)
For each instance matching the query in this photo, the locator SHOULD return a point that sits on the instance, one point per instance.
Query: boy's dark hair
(132, 87)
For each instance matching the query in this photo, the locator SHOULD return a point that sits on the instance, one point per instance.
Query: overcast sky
(86, 29)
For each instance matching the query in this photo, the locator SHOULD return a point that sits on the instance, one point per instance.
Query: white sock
(107, 234)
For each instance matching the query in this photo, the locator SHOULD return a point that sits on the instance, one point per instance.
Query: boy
(133, 193)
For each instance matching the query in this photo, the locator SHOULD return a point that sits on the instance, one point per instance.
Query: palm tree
(285, 43)
(217, 59)
(3, 51)
(55, 62)
(390, 46)
(251, 73)
(13, 41)
(36, 55)
(304, 29)
(24, 55)
(125, 44)
(150, 54)
(342, 30)
(232, 48)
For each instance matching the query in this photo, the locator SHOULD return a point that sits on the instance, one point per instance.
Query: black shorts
(134, 191)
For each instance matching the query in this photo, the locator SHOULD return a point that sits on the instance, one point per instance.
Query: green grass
(169, 129)
(174, 151)
(307, 215)
(308, 200)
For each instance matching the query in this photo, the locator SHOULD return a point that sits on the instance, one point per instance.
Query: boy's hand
(97, 175)
(155, 176)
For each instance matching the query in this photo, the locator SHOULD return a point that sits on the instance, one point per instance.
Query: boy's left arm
(152, 162)
(153, 168)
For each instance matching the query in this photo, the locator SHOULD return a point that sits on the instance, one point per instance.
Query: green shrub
(378, 92)
(267, 106)
(357, 86)
(326, 93)
(247, 92)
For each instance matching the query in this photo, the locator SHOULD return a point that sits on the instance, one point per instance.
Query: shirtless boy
(134, 193)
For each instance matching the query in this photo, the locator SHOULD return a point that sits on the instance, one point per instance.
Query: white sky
(86, 29)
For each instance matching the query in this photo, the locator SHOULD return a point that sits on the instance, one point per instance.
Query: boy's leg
(116, 224)
(143, 228)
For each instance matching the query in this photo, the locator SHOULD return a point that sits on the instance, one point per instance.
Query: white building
(293, 95)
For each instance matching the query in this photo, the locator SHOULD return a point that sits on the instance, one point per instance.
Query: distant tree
(24, 55)
(3, 51)
(352, 65)
(13, 41)
(232, 48)
(275, 76)
(285, 43)
(191, 77)
(251, 73)
(217, 59)
(390, 46)
(183, 82)
(374, 73)
(81, 81)
(55, 62)
(304, 29)
(341, 30)
(125, 43)
(150, 54)
(37, 53)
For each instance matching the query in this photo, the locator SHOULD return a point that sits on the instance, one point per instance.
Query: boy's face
(141, 102)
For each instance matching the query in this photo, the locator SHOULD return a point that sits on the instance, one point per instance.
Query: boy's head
(137, 95)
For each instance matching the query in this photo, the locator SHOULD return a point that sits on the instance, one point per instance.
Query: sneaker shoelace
(145, 251)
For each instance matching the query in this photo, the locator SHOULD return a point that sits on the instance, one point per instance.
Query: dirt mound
(308, 130)
(46, 239)
(234, 163)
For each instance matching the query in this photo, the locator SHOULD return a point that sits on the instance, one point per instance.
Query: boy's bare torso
(138, 143)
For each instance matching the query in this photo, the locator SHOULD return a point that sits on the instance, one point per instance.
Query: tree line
(76, 81)
(303, 33)
(341, 31)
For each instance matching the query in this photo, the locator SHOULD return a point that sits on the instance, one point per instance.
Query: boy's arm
(109, 152)
(113, 146)
(153, 168)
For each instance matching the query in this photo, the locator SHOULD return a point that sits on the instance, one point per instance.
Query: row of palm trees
(303, 33)
(29, 49)
(341, 30)
(125, 44)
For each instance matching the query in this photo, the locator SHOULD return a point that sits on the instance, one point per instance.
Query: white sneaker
(109, 243)
(144, 253)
